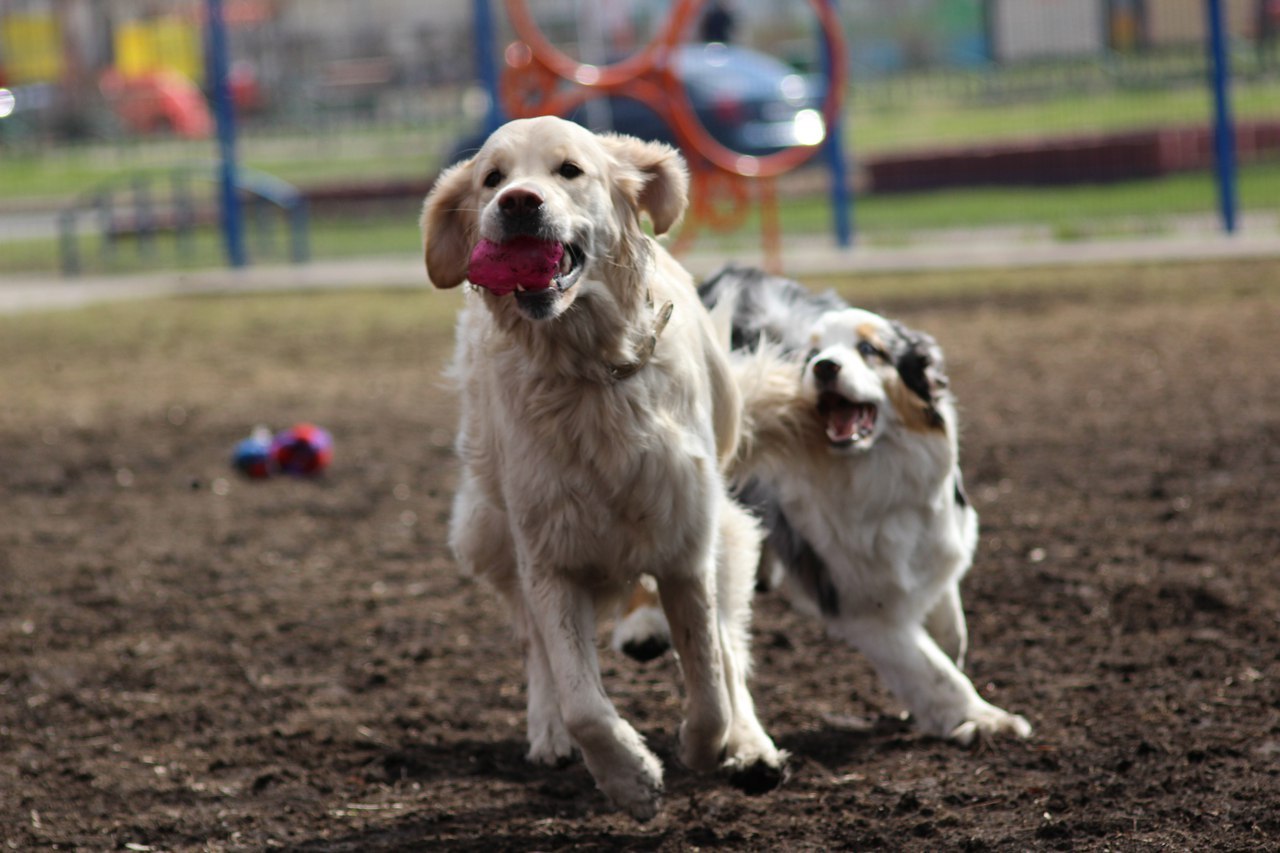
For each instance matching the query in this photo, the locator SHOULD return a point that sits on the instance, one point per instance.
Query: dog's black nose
(519, 203)
(826, 370)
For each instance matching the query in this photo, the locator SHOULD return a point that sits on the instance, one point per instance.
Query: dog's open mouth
(537, 301)
(536, 270)
(847, 422)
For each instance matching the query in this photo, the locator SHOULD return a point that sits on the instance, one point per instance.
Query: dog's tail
(766, 319)
(776, 418)
(721, 312)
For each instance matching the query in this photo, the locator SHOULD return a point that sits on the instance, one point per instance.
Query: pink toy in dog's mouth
(523, 264)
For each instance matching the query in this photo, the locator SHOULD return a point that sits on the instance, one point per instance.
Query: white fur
(642, 630)
(575, 482)
(882, 514)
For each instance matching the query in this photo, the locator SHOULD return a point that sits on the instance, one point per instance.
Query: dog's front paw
(757, 773)
(987, 721)
(702, 748)
(638, 792)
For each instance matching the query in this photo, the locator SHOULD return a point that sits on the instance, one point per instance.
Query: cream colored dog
(596, 415)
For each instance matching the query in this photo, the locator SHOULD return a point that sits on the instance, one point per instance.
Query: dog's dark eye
(869, 350)
(493, 178)
(569, 170)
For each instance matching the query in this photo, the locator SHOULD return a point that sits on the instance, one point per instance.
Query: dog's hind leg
(549, 741)
(689, 600)
(563, 616)
(945, 623)
(752, 761)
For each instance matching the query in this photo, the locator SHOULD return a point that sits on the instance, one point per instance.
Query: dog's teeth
(519, 288)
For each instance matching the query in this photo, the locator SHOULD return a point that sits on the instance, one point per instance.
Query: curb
(800, 258)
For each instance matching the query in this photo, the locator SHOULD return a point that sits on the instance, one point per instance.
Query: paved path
(800, 258)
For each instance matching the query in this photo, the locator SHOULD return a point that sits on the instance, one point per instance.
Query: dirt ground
(189, 660)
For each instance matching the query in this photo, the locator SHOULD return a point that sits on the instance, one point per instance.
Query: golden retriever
(597, 410)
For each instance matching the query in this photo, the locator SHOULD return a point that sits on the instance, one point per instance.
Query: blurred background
(1036, 119)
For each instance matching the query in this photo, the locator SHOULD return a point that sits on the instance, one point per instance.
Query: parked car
(24, 110)
(38, 111)
(749, 102)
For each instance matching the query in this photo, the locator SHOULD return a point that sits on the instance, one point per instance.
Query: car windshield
(717, 69)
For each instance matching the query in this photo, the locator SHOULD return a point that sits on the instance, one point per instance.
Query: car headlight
(809, 127)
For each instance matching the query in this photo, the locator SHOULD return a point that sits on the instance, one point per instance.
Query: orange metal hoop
(536, 69)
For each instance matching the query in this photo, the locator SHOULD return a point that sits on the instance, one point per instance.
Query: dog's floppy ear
(920, 364)
(448, 221)
(661, 187)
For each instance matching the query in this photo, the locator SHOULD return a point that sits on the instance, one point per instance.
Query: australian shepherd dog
(849, 456)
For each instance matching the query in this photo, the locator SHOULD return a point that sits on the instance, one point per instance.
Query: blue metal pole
(68, 242)
(833, 150)
(224, 114)
(486, 66)
(1224, 141)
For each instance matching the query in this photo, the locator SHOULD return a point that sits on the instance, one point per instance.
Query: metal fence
(1068, 118)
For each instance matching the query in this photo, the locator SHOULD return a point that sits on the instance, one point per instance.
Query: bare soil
(189, 660)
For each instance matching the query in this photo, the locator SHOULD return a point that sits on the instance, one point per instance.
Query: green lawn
(907, 112)
(379, 153)
(882, 117)
(1080, 210)
(921, 120)
(333, 237)
(1069, 212)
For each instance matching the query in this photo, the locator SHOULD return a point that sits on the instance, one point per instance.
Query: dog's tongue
(841, 423)
(846, 420)
(520, 261)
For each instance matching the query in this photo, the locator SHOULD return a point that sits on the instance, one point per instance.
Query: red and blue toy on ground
(302, 450)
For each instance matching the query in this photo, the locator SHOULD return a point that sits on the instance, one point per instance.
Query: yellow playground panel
(31, 44)
(157, 44)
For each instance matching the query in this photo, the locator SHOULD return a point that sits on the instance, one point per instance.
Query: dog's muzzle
(521, 214)
(848, 423)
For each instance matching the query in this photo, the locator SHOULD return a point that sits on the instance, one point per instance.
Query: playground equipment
(144, 206)
(1223, 124)
(539, 79)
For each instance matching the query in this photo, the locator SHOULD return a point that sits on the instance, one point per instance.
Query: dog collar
(626, 370)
